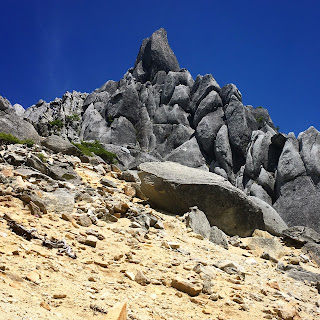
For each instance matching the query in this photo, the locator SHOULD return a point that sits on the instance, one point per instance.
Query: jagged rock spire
(155, 55)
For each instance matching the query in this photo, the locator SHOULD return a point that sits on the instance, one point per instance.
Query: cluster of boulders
(158, 112)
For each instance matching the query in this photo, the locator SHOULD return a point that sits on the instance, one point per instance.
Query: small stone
(214, 297)
(15, 284)
(108, 183)
(267, 256)
(288, 312)
(92, 279)
(130, 275)
(173, 245)
(304, 258)
(129, 191)
(121, 207)
(185, 286)
(102, 264)
(117, 215)
(33, 276)
(44, 305)
(159, 225)
(237, 299)
(84, 220)
(108, 217)
(207, 311)
(117, 312)
(35, 210)
(114, 168)
(91, 241)
(274, 285)
(187, 267)
(198, 301)
(251, 261)
(68, 217)
(207, 286)
(135, 224)
(141, 278)
(59, 296)
(294, 260)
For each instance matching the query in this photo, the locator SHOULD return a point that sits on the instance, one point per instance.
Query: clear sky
(269, 49)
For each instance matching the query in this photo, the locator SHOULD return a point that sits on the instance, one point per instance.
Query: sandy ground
(84, 288)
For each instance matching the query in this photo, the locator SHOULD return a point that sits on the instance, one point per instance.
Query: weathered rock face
(60, 117)
(11, 123)
(158, 112)
(175, 188)
(299, 203)
(155, 55)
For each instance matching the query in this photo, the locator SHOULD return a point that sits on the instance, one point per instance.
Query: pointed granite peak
(155, 55)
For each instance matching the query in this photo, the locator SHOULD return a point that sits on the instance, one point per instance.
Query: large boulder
(309, 141)
(58, 144)
(170, 115)
(124, 102)
(207, 130)
(299, 203)
(230, 91)
(290, 164)
(170, 137)
(188, 154)
(94, 126)
(209, 104)
(176, 188)
(258, 153)
(223, 151)
(240, 124)
(155, 55)
(172, 82)
(181, 96)
(201, 88)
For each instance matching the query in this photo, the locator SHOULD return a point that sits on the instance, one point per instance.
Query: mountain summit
(155, 55)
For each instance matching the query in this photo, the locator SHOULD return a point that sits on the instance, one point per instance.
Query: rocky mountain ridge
(158, 112)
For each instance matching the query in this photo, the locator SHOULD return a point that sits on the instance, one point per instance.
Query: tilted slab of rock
(175, 188)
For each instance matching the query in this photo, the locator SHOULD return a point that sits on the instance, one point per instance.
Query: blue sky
(269, 49)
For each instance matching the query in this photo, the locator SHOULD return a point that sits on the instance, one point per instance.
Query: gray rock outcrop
(158, 112)
(11, 123)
